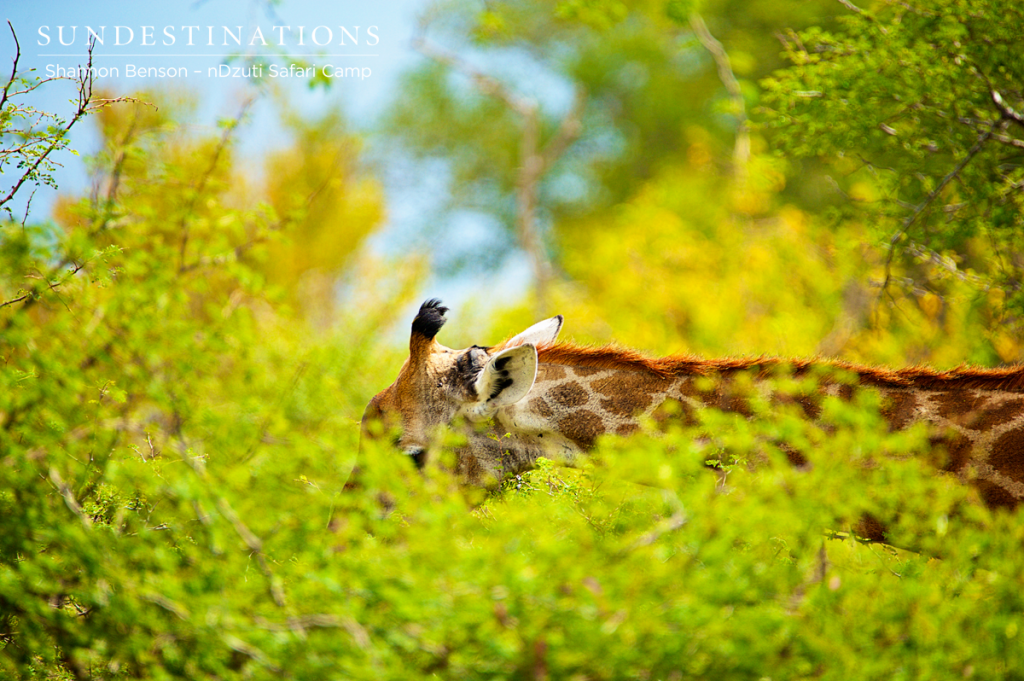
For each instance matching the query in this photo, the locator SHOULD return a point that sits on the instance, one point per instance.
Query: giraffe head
(437, 385)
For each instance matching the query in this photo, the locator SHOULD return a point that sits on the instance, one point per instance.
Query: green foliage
(31, 139)
(588, 574)
(147, 368)
(680, 10)
(915, 111)
(565, 573)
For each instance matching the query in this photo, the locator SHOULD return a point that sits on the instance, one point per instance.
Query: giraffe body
(530, 397)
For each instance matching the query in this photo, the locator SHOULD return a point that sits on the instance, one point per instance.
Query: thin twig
(14, 66)
(261, 430)
(251, 651)
(487, 84)
(1007, 111)
(909, 221)
(569, 130)
(253, 542)
(52, 286)
(200, 187)
(741, 148)
(114, 179)
(319, 621)
(69, 497)
(676, 521)
(84, 96)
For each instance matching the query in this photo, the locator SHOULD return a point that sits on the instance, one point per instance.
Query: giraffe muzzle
(419, 456)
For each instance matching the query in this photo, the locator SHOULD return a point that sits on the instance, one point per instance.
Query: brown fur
(1008, 379)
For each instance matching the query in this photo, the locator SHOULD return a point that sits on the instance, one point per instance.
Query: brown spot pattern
(898, 409)
(1009, 379)
(582, 427)
(845, 392)
(736, 402)
(1003, 413)
(1007, 453)
(631, 382)
(994, 495)
(685, 388)
(569, 395)
(948, 404)
(952, 404)
(870, 528)
(809, 404)
(540, 406)
(794, 457)
(727, 397)
(959, 398)
(956, 446)
(675, 410)
(626, 405)
(630, 392)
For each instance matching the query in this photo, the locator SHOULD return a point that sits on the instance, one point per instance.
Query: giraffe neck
(570, 407)
(980, 430)
(582, 403)
(976, 417)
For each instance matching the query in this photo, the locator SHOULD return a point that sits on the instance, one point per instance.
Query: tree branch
(200, 187)
(52, 286)
(114, 179)
(253, 542)
(69, 497)
(486, 84)
(850, 6)
(569, 130)
(14, 67)
(1005, 109)
(85, 82)
(909, 221)
(676, 521)
(741, 148)
(534, 161)
(319, 621)
(1007, 112)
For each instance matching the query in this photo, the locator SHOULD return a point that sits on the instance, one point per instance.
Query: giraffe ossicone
(530, 396)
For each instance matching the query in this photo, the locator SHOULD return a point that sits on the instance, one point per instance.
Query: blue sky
(155, 35)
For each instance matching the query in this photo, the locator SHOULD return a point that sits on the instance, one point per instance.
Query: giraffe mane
(963, 377)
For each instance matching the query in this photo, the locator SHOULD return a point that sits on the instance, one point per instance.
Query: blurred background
(663, 174)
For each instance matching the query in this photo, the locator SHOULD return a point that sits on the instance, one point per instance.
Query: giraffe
(530, 396)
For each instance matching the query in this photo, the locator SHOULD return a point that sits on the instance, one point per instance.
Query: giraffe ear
(506, 378)
(541, 333)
